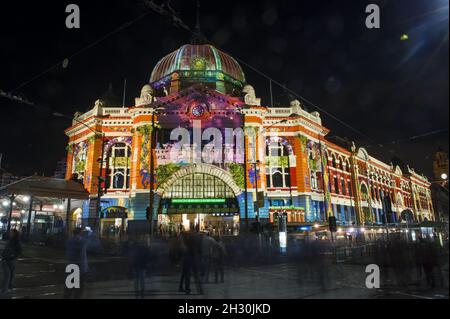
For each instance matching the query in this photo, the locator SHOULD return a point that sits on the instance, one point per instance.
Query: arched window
(344, 192)
(341, 163)
(118, 167)
(277, 166)
(336, 185)
(364, 192)
(333, 161)
(314, 166)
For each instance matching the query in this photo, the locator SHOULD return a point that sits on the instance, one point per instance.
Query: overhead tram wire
(120, 28)
(41, 107)
(408, 139)
(179, 23)
(305, 100)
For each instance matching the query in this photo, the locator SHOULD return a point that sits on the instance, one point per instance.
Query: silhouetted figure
(191, 255)
(429, 262)
(418, 259)
(320, 264)
(140, 258)
(207, 244)
(76, 255)
(217, 258)
(10, 253)
(174, 250)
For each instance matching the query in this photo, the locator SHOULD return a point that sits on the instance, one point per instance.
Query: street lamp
(444, 176)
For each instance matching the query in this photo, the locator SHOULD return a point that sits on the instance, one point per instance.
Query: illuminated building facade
(288, 158)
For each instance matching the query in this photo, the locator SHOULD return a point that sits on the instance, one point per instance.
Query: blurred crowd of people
(201, 259)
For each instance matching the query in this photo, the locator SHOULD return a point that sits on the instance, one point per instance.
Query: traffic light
(148, 213)
(332, 223)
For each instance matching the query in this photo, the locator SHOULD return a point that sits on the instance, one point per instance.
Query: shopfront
(294, 215)
(219, 217)
(113, 222)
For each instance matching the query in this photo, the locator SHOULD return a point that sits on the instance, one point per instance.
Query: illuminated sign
(198, 201)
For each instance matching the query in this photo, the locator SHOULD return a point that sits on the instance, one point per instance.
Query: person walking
(207, 243)
(217, 257)
(76, 255)
(10, 253)
(191, 254)
(140, 260)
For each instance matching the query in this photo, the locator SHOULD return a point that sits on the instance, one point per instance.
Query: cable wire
(120, 28)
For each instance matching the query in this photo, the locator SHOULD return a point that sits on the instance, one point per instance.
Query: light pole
(152, 137)
(245, 171)
(151, 184)
(30, 210)
(257, 162)
(11, 204)
(255, 168)
(100, 180)
(254, 164)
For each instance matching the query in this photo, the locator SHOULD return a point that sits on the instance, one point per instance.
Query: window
(314, 180)
(364, 192)
(343, 187)
(79, 161)
(333, 161)
(200, 186)
(336, 185)
(314, 164)
(277, 168)
(118, 167)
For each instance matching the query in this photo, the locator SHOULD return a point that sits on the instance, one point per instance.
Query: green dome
(198, 63)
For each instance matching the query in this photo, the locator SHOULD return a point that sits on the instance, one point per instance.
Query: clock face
(198, 110)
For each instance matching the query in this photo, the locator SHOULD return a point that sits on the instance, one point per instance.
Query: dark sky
(384, 87)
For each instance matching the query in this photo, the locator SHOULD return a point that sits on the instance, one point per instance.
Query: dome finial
(197, 25)
(198, 37)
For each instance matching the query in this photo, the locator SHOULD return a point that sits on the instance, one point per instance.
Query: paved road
(40, 274)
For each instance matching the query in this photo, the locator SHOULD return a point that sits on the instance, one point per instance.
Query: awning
(39, 186)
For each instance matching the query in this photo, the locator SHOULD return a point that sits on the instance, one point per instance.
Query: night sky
(384, 87)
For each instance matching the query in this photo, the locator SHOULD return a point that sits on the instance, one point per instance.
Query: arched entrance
(112, 221)
(407, 215)
(76, 217)
(199, 197)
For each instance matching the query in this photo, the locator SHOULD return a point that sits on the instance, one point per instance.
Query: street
(40, 274)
